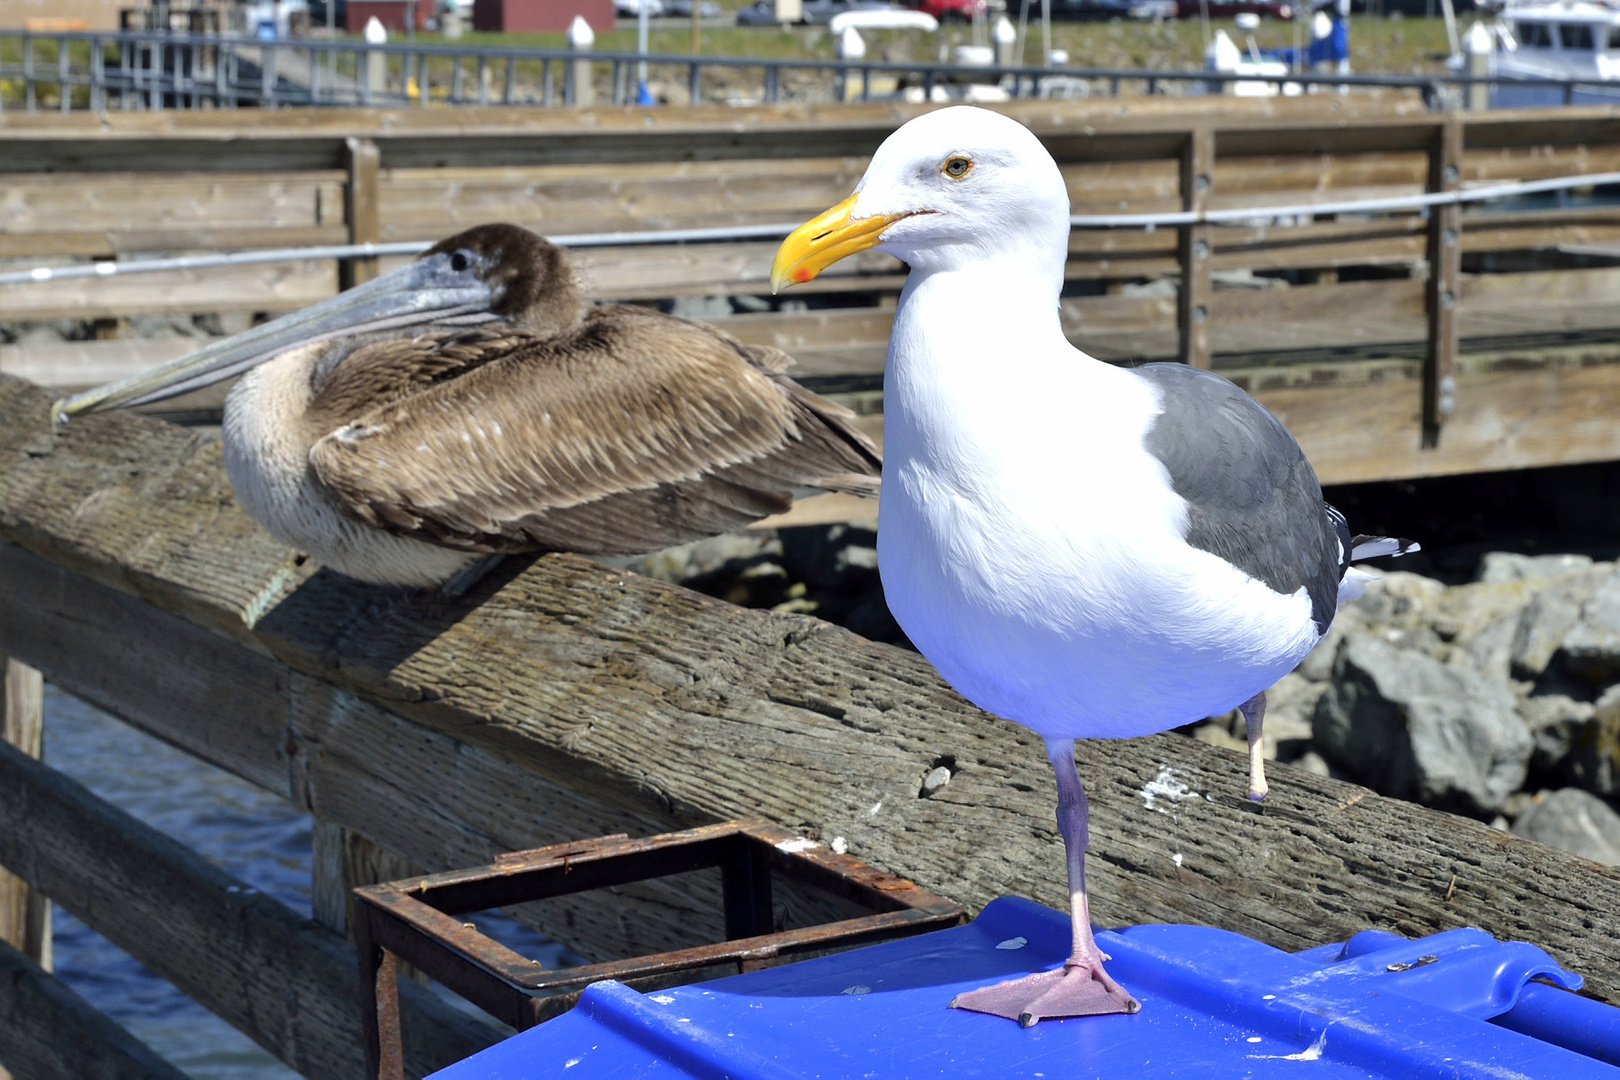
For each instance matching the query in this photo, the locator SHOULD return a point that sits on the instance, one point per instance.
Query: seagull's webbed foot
(1078, 988)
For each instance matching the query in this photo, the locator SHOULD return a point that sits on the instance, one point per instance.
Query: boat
(1574, 41)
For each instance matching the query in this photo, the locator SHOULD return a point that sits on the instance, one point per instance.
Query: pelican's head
(955, 186)
(487, 274)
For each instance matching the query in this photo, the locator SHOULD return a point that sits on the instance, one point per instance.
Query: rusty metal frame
(415, 921)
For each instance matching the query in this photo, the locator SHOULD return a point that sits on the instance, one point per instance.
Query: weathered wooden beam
(288, 983)
(1193, 249)
(25, 914)
(48, 1032)
(361, 208)
(1443, 290)
(576, 691)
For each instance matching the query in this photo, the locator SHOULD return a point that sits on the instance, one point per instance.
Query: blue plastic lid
(1214, 1004)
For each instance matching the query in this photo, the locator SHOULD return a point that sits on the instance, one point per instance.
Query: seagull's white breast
(1032, 548)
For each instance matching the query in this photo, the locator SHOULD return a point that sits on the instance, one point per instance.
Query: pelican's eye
(460, 261)
(957, 167)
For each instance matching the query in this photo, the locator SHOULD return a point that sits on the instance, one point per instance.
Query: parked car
(951, 9)
(761, 13)
(1226, 9)
(1103, 10)
(631, 9)
(812, 12)
(682, 9)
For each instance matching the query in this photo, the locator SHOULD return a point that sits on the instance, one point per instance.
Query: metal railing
(150, 71)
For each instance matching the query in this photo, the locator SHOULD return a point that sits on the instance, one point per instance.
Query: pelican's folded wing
(631, 432)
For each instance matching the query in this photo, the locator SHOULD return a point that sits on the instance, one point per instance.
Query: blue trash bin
(1214, 1004)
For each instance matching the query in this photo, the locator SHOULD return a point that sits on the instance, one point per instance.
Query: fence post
(360, 210)
(1192, 249)
(25, 914)
(580, 89)
(1445, 276)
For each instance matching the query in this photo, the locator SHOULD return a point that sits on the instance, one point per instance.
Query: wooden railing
(566, 700)
(1407, 343)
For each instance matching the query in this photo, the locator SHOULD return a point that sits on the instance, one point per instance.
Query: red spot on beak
(803, 274)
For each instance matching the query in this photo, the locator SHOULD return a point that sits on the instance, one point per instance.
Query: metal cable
(776, 232)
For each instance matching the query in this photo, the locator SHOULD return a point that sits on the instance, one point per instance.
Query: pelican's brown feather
(628, 432)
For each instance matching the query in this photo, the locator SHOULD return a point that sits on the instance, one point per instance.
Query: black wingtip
(1379, 547)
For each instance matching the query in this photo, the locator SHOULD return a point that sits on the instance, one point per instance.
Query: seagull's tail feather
(1353, 582)
(1377, 547)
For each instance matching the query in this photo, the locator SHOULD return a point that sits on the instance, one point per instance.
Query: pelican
(1090, 551)
(471, 404)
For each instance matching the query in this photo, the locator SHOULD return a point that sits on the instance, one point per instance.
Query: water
(260, 838)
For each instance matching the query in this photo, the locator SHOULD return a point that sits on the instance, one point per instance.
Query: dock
(565, 700)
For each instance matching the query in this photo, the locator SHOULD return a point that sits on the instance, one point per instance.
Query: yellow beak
(819, 243)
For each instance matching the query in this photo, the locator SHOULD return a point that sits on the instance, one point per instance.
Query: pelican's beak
(425, 291)
(817, 244)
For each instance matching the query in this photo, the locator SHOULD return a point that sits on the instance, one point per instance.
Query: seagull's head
(952, 187)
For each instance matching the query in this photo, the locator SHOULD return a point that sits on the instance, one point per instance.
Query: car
(1226, 9)
(682, 9)
(631, 9)
(812, 12)
(762, 13)
(951, 9)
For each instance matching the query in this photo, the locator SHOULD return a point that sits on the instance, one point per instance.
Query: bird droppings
(840, 846)
(570, 1063)
(1254, 1038)
(938, 778)
(796, 845)
(1313, 1052)
(1176, 858)
(1013, 943)
(1165, 786)
(1269, 997)
(856, 991)
(875, 808)
(663, 999)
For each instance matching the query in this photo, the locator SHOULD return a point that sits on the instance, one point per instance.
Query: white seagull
(1087, 550)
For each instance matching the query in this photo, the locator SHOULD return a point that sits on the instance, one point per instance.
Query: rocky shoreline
(1498, 698)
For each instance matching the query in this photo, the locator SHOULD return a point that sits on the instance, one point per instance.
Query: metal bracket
(413, 921)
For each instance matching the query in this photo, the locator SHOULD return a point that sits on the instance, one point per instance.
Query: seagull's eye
(460, 261)
(957, 167)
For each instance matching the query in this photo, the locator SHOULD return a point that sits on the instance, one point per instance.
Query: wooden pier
(565, 700)
(1407, 344)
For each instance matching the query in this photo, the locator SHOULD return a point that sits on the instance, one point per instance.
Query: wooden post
(1193, 252)
(1445, 274)
(344, 861)
(25, 915)
(360, 209)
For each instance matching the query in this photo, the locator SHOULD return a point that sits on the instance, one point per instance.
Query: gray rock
(1591, 649)
(1415, 728)
(1505, 566)
(1593, 760)
(1576, 821)
(1491, 651)
(1550, 614)
(1553, 720)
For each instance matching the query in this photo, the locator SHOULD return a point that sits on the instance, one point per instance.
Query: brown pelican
(471, 404)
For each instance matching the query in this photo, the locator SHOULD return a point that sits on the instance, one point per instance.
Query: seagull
(470, 404)
(1087, 550)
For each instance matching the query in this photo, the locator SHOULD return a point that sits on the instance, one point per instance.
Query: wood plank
(668, 704)
(48, 1032)
(25, 914)
(287, 982)
(272, 287)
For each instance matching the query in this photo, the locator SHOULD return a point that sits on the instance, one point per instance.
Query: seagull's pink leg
(1254, 715)
(1080, 987)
